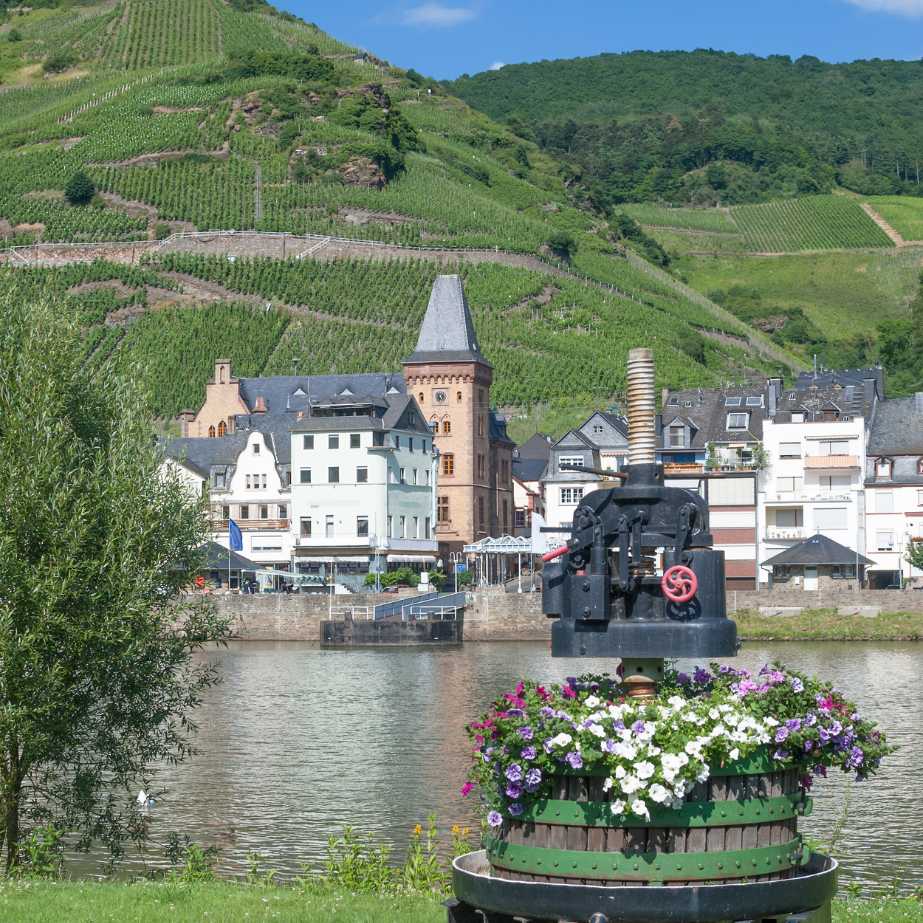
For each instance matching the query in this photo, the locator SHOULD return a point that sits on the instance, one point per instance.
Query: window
(677, 437)
(397, 441)
(264, 511)
(884, 501)
(378, 439)
(834, 447)
(883, 468)
(481, 468)
(415, 533)
(788, 485)
(789, 519)
(566, 461)
(256, 448)
(480, 424)
(414, 475)
(506, 516)
(333, 475)
(446, 427)
(304, 476)
(248, 482)
(333, 441)
(754, 402)
(225, 512)
(789, 450)
(732, 402)
(222, 429)
(458, 396)
(219, 479)
(738, 420)
(263, 479)
(520, 519)
(403, 477)
(355, 440)
(797, 418)
(362, 475)
(211, 432)
(390, 527)
(245, 512)
(428, 528)
(420, 397)
(482, 517)
(442, 509)
(362, 526)
(283, 511)
(597, 429)
(402, 525)
(884, 539)
(833, 518)
(843, 571)
(286, 478)
(328, 526)
(448, 464)
(834, 482)
(307, 442)
(427, 477)
(920, 498)
(571, 496)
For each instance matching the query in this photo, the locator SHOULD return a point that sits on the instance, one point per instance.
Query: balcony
(827, 462)
(774, 533)
(682, 468)
(252, 525)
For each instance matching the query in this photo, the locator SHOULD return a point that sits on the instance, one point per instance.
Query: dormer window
(738, 421)
(676, 437)
(256, 448)
(883, 468)
(597, 429)
(732, 402)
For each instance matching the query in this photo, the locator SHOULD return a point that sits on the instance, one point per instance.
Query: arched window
(458, 396)
(211, 432)
(421, 397)
(222, 429)
(446, 427)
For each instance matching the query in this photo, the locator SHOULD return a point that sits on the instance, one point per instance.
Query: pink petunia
(466, 789)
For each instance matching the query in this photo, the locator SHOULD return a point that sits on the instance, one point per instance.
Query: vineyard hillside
(202, 115)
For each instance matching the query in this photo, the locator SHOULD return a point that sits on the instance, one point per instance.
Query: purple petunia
(525, 732)
(701, 676)
(529, 753)
(638, 727)
(514, 773)
(781, 755)
(797, 684)
(793, 724)
(515, 809)
(782, 734)
(836, 728)
(495, 819)
(533, 779)
(683, 679)
(607, 746)
(856, 757)
(574, 760)
(513, 790)
(810, 720)
(808, 746)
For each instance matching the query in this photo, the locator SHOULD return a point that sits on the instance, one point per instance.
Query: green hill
(202, 115)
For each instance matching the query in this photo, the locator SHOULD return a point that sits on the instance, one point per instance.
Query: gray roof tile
(818, 549)
(447, 333)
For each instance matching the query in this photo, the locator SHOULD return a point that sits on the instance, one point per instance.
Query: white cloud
(900, 7)
(497, 66)
(438, 15)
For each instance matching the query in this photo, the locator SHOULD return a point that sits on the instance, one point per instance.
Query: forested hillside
(707, 126)
(138, 120)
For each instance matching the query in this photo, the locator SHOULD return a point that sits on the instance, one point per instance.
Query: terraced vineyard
(692, 219)
(810, 223)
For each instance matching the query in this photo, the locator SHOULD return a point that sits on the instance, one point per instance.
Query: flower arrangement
(652, 752)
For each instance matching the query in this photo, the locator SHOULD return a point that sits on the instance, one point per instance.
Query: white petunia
(596, 730)
(640, 808)
(592, 702)
(562, 740)
(659, 794)
(677, 701)
(735, 753)
(630, 784)
(608, 784)
(714, 714)
(702, 774)
(620, 772)
(644, 769)
(618, 807)
(625, 750)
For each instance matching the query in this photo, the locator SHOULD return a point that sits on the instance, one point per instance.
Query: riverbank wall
(493, 615)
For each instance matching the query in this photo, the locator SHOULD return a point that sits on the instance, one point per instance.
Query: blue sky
(444, 38)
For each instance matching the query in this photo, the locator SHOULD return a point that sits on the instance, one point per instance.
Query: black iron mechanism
(621, 585)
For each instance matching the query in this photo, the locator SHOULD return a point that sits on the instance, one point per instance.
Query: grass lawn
(843, 293)
(222, 902)
(826, 625)
(903, 213)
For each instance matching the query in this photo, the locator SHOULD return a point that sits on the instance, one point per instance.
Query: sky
(445, 38)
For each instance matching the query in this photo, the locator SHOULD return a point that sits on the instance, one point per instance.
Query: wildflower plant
(652, 753)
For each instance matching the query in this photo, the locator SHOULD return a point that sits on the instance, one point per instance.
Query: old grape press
(639, 580)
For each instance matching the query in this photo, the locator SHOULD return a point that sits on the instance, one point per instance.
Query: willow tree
(98, 673)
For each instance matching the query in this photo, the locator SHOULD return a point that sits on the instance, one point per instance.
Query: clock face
(440, 397)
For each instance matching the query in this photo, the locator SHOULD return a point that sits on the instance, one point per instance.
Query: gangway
(442, 606)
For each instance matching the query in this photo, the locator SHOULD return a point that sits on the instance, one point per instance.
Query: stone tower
(451, 379)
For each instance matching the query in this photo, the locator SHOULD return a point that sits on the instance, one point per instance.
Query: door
(810, 578)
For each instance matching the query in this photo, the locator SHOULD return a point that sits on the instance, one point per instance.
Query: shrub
(562, 244)
(59, 61)
(80, 189)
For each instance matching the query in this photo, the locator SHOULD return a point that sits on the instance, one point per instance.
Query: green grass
(94, 902)
(698, 219)
(903, 213)
(843, 293)
(811, 223)
(826, 625)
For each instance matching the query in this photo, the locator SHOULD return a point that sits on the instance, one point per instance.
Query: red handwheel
(679, 583)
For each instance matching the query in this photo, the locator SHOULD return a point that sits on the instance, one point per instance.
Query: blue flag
(235, 538)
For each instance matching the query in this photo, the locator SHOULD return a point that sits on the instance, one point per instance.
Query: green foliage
(98, 679)
(61, 60)
(254, 62)
(624, 228)
(80, 189)
(41, 854)
(190, 862)
(562, 244)
(709, 126)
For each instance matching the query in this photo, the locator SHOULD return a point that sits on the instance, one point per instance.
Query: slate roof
(389, 411)
(818, 549)
(529, 469)
(447, 333)
(898, 427)
(843, 377)
(707, 411)
(538, 445)
(291, 393)
(854, 399)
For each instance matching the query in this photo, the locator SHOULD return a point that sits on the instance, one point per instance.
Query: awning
(411, 559)
(333, 559)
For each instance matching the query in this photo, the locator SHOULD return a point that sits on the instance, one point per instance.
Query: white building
(363, 485)
(813, 483)
(247, 477)
(894, 491)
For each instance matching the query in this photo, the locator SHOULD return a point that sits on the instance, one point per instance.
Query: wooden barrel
(740, 824)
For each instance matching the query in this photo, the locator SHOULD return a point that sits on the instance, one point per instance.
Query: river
(297, 742)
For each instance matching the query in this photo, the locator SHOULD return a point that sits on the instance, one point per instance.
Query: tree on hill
(80, 189)
(97, 680)
(562, 244)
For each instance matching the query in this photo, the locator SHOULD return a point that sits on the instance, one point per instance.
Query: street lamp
(456, 557)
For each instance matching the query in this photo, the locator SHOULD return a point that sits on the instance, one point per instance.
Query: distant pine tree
(80, 189)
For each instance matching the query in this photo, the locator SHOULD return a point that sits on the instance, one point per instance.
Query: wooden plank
(596, 836)
(577, 791)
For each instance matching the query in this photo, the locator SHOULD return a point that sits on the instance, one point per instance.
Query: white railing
(443, 613)
(355, 613)
(774, 532)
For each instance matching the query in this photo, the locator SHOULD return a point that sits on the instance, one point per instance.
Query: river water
(297, 742)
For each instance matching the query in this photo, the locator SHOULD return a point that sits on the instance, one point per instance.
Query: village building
(817, 563)
(529, 462)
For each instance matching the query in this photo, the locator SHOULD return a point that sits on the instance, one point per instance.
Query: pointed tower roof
(447, 333)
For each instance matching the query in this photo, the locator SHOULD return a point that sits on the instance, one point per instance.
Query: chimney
(259, 405)
(185, 417)
(664, 396)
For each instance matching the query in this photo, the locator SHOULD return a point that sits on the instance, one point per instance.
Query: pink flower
(542, 693)
(520, 688)
(825, 704)
(466, 789)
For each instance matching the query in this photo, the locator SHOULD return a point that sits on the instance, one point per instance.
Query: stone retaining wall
(499, 616)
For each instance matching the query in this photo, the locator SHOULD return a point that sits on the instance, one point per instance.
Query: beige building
(450, 379)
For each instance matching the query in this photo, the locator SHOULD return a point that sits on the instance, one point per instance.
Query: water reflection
(298, 742)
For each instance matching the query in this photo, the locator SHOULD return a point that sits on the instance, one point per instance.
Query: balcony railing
(824, 462)
(783, 532)
(251, 525)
